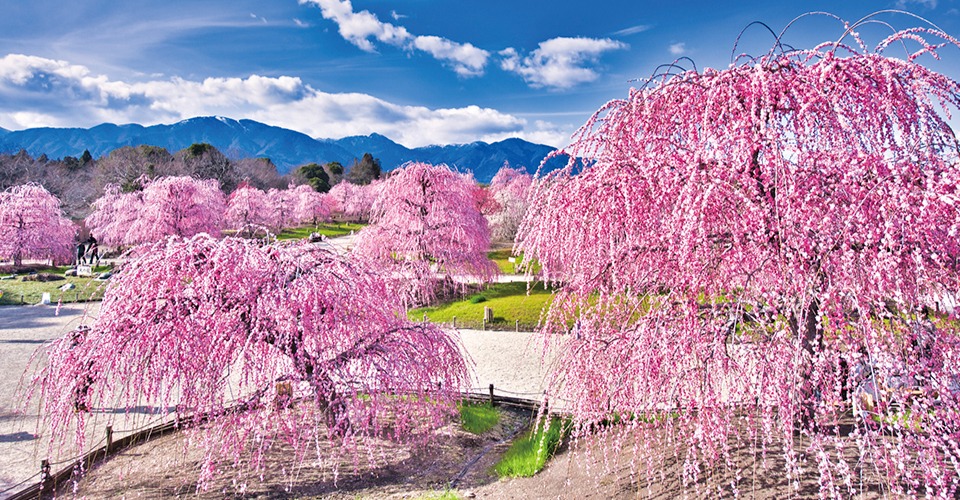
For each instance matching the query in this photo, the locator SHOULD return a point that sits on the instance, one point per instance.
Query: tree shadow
(17, 437)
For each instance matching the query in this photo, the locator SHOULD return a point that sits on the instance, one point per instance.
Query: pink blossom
(33, 226)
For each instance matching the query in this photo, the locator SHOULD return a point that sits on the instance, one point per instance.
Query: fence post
(109, 439)
(21, 298)
(518, 325)
(491, 395)
(454, 321)
(484, 327)
(44, 474)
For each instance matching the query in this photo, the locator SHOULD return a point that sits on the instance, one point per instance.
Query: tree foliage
(365, 170)
(424, 221)
(316, 176)
(248, 206)
(167, 206)
(749, 247)
(509, 189)
(32, 225)
(353, 201)
(218, 327)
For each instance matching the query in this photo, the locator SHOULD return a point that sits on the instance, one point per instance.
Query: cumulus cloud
(678, 49)
(559, 63)
(36, 91)
(364, 28)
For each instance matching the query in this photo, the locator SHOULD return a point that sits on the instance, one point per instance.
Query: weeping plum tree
(424, 221)
(32, 225)
(354, 201)
(310, 206)
(167, 206)
(248, 206)
(192, 323)
(509, 189)
(756, 252)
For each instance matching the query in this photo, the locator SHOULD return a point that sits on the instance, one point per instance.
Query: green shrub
(529, 454)
(476, 299)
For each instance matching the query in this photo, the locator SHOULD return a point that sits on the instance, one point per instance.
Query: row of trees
(34, 226)
(77, 182)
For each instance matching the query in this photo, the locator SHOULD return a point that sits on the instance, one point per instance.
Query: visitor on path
(93, 250)
(81, 252)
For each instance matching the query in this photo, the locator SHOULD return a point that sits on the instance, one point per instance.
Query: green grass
(440, 495)
(502, 259)
(330, 230)
(529, 454)
(32, 291)
(478, 418)
(509, 302)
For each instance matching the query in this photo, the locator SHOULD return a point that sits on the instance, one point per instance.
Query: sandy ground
(512, 361)
(509, 360)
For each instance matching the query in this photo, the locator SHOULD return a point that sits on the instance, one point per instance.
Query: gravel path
(509, 360)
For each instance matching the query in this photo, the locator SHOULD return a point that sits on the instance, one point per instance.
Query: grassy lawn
(509, 302)
(478, 418)
(32, 291)
(502, 259)
(328, 229)
(529, 454)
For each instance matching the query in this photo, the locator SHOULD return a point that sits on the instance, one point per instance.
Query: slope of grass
(328, 229)
(529, 454)
(478, 418)
(509, 301)
(14, 291)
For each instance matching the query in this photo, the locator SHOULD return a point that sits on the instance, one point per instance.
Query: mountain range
(287, 149)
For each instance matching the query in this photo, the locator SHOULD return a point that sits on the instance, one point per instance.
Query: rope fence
(49, 481)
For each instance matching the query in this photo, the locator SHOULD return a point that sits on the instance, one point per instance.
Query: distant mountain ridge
(287, 149)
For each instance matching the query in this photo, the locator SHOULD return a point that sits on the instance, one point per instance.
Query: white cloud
(363, 28)
(395, 16)
(35, 91)
(927, 4)
(632, 30)
(559, 63)
(466, 59)
(678, 49)
(300, 23)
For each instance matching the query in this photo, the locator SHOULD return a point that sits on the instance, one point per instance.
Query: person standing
(81, 253)
(93, 251)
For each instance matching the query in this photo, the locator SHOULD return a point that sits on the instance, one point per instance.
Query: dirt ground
(458, 462)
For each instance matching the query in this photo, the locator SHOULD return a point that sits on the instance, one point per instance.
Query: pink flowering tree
(753, 253)
(283, 202)
(355, 201)
(273, 344)
(32, 226)
(248, 207)
(167, 206)
(424, 222)
(508, 189)
(310, 206)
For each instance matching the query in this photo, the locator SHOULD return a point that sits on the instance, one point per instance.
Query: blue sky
(418, 71)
